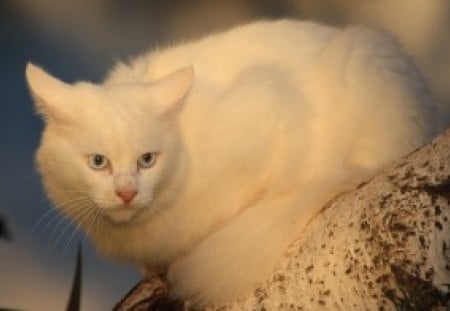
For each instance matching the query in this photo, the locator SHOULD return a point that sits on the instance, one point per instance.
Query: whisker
(65, 214)
(39, 221)
(72, 221)
(75, 230)
(58, 215)
(71, 200)
(72, 192)
(69, 196)
(96, 218)
(94, 211)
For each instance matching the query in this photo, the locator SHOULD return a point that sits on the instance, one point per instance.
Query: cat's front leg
(230, 262)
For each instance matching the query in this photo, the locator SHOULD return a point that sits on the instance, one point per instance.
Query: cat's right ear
(170, 90)
(47, 92)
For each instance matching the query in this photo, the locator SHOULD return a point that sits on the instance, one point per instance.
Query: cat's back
(219, 57)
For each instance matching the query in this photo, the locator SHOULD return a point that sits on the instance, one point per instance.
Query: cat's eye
(97, 161)
(147, 160)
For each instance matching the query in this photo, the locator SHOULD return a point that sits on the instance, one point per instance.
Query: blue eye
(97, 161)
(147, 160)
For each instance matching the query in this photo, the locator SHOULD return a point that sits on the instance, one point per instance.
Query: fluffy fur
(264, 125)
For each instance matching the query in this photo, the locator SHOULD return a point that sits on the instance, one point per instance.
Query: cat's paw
(202, 282)
(216, 275)
(230, 263)
(215, 272)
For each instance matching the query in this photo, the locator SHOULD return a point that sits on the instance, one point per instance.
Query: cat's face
(107, 150)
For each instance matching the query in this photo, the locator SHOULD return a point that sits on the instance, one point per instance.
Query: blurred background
(80, 40)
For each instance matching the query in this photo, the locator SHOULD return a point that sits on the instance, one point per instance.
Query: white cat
(208, 158)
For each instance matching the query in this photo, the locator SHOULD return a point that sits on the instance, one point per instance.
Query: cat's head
(108, 150)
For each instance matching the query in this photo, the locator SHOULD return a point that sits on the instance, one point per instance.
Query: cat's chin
(121, 215)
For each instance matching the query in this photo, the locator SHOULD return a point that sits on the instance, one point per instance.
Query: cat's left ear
(169, 91)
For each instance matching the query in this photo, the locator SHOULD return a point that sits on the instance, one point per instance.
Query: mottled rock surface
(383, 246)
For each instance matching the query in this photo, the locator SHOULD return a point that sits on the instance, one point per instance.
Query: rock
(383, 246)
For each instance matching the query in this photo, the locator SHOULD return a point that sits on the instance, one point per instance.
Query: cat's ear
(47, 92)
(171, 90)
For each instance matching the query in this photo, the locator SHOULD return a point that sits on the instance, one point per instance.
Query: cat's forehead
(110, 118)
(113, 98)
(111, 106)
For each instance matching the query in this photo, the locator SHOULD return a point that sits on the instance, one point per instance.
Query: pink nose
(126, 195)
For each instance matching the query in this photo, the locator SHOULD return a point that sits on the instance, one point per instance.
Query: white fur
(277, 118)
